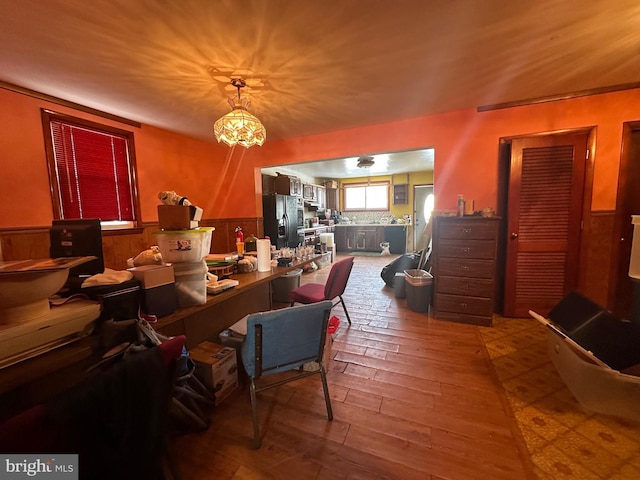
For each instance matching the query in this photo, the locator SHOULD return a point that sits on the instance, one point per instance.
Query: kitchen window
(91, 170)
(373, 196)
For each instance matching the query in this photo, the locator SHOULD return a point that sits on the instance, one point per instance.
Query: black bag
(400, 264)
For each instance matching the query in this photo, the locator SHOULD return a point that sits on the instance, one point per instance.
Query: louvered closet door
(546, 189)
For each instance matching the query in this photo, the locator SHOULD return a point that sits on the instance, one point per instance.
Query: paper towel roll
(263, 246)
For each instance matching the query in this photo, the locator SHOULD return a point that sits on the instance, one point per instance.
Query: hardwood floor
(413, 398)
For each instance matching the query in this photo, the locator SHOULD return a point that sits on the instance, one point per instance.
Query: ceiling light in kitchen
(364, 162)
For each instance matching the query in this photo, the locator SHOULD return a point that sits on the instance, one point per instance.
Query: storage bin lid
(293, 273)
(416, 276)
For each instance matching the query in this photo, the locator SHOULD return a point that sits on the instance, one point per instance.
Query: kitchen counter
(368, 237)
(313, 229)
(372, 225)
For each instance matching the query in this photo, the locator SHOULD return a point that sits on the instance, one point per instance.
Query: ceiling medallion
(239, 127)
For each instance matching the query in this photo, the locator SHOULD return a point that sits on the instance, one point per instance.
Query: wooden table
(205, 322)
(38, 378)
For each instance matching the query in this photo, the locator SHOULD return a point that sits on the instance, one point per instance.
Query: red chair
(334, 288)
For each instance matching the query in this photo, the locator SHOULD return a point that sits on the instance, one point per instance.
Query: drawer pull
(465, 250)
(464, 268)
(466, 230)
(465, 286)
(463, 305)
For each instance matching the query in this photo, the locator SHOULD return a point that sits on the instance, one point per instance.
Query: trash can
(284, 284)
(399, 282)
(418, 284)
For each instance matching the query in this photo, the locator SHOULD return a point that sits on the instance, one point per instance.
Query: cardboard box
(216, 368)
(326, 356)
(179, 217)
(153, 275)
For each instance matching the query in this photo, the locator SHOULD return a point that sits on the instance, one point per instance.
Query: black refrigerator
(280, 214)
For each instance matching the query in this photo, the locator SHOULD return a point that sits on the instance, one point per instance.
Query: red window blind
(93, 173)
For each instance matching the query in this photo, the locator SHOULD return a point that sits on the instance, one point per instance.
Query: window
(366, 197)
(91, 170)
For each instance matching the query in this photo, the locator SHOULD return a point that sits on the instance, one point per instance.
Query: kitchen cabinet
(321, 197)
(314, 194)
(401, 194)
(365, 238)
(340, 239)
(268, 184)
(288, 185)
(331, 198)
(465, 268)
(397, 238)
(308, 192)
(368, 239)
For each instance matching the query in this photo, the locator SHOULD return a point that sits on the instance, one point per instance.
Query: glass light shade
(239, 127)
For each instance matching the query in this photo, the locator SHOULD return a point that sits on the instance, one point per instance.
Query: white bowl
(25, 295)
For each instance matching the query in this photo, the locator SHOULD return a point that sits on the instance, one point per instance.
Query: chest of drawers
(464, 267)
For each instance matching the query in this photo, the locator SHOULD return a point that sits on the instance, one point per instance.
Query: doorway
(545, 208)
(423, 201)
(621, 293)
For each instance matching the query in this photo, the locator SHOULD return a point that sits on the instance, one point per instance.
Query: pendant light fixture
(239, 127)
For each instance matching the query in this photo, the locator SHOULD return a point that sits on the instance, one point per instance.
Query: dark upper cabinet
(309, 192)
(288, 185)
(401, 194)
(332, 198)
(268, 184)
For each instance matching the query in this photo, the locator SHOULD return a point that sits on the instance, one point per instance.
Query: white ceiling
(384, 164)
(313, 66)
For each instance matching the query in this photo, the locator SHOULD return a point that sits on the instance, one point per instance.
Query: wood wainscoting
(119, 245)
(594, 281)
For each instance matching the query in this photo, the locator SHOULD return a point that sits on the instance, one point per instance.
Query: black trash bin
(284, 284)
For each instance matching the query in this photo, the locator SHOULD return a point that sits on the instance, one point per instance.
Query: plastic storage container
(418, 284)
(597, 388)
(284, 284)
(596, 355)
(184, 246)
(191, 283)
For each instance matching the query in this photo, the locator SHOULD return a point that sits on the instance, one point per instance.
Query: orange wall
(466, 143)
(225, 183)
(197, 169)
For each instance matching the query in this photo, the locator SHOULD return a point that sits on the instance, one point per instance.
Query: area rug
(564, 439)
(366, 254)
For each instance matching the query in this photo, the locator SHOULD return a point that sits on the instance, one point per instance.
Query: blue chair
(283, 340)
